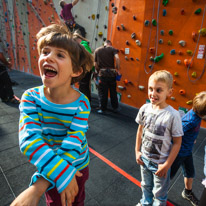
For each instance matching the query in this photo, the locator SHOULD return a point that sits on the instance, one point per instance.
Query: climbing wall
(152, 36)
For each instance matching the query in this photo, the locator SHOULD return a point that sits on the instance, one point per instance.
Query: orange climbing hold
(188, 62)
(182, 92)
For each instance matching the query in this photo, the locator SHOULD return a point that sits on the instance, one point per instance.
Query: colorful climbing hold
(169, 42)
(176, 74)
(188, 62)
(158, 58)
(138, 43)
(134, 17)
(194, 36)
(162, 32)
(182, 92)
(165, 2)
(146, 23)
(198, 11)
(154, 22)
(161, 41)
(182, 43)
(182, 11)
(172, 52)
(172, 98)
(189, 102)
(123, 27)
(202, 32)
(152, 50)
(100, 34)
(194, 74)
(141, 87)
(189, 52)
(178, 61)
(164, 12)
(170, 32)
(133, 35)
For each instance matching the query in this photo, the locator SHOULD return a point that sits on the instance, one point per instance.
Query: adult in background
(68, 18)
(105, 59)
(6, 91)
(85, 82)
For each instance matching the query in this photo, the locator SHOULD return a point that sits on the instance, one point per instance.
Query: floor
(114, 174)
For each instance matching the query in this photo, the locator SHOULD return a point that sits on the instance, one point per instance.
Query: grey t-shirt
(160, 126)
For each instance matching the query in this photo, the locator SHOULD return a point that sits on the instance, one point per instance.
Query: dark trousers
(77, 27)
(84, 85)
(105, 84)
(53, 197)
(6, 91)
(203, 198)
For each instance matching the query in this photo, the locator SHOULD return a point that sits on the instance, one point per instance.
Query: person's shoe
(190, 197)
(100, 111)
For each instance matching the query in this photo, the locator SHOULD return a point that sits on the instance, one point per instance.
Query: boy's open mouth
(50, 72)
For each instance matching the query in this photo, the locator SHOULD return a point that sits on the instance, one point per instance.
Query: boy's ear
(78, 73)
(170, 92)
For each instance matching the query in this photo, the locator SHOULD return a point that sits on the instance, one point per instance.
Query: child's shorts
(53, 197)
(187, 166)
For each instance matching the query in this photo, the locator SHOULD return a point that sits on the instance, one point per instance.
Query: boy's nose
(49, 57)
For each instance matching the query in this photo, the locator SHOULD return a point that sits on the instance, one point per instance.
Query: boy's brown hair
(57, 35)
(162, 76)
(199, 104)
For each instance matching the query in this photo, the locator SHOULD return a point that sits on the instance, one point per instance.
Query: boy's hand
(138, 158)
(69, 193)
(29, 197)
(162, 170)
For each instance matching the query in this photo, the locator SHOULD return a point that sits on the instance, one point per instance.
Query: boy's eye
(159, 90)
(60, 55)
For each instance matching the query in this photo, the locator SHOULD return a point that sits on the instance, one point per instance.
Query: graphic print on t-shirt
(152, 144)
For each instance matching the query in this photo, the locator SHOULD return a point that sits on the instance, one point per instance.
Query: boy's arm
(138, 145)
(163, 168)
(31, 195)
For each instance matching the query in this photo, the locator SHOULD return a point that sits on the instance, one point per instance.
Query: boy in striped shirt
(54, 120)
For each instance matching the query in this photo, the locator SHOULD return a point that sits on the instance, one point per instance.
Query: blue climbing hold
(172, 52)
(164, 12)
(162, 32)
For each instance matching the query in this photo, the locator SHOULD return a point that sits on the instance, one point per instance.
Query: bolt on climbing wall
(154, 35)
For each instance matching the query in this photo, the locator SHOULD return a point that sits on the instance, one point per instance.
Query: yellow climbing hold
(202, 32)
(189, 102)
(100, 34)
(189, 52)
(194, 74)
(176, 74)
(93, 16)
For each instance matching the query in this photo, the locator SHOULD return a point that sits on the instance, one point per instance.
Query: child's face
(55, 67)
(158, 92)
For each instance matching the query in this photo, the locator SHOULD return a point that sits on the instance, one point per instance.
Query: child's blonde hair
(199, 104)
(57, 35)
(162, 76)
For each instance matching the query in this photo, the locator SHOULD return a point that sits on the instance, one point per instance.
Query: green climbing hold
(202, 32)
(198, 11)
(158, 58)
(165, 2)
(189, 52)
(170, 32)
(154, 22)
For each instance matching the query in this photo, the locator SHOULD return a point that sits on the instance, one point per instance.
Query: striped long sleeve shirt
(52, 136)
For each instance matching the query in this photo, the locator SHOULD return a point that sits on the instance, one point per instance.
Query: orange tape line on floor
(122, 172)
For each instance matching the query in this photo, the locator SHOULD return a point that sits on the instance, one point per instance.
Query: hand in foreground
(138, 158)
(162, 170)
(29, 197)
(69, 193)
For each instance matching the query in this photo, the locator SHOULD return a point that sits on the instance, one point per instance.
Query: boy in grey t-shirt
(159, 125)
